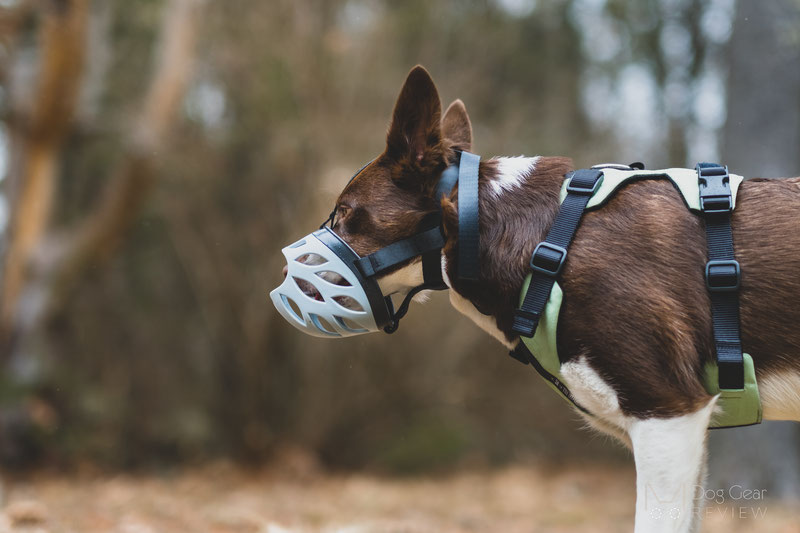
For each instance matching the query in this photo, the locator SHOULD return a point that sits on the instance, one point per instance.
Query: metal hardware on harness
(723, 273)
(637, 165)
(549, 256)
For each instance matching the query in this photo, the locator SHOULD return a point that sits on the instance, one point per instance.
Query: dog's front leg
(670, 455)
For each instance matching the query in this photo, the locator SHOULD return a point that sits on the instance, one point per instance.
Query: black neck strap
(447, 182)
(431, 240)
(426, 244)
(468, 229)
(429, 243)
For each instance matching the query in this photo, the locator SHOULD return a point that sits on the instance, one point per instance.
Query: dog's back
(635, 286)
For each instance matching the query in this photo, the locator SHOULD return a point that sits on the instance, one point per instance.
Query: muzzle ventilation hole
(308, 289)
(348, 325)
(311, 259)
(348, 303)
(332, 277)
(323, 325)
(292, 307)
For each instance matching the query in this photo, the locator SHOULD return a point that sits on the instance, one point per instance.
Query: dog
(635, 328)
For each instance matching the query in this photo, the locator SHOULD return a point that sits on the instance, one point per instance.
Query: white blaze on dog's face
(389, 200)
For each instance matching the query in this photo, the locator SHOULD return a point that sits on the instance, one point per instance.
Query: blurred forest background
(156, 155)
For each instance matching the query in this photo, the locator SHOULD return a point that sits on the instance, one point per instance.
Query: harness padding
(734, 407)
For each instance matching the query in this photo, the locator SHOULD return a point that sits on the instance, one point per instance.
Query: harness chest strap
(740, 406)
(549, 255)
(723, 274)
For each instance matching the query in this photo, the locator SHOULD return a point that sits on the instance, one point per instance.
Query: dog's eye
(342, 211)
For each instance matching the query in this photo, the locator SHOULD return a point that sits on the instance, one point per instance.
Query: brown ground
(223, 499)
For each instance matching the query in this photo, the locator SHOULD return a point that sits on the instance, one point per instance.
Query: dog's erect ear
(456, 126)
(416, 129)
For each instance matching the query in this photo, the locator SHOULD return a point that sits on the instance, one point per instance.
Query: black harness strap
(524, 356)
(723, 273)
(397, 252)
(468, 230)
(427, 244)
(446, 183)
(549, 255)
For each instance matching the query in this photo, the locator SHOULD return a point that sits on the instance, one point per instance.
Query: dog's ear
(456, 126)
(415, 134)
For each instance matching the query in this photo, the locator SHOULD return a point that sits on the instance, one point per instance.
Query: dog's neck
(518, 199)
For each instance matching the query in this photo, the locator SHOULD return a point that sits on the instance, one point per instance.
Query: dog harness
(708, 190)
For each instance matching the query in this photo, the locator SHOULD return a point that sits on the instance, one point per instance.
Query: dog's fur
(635, 327)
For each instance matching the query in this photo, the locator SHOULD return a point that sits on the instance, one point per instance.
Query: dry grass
(221, 499)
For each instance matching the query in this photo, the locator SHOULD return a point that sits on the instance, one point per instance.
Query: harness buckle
(585, 183)
(525, 322)
(548, 259)
(723, 276)
(715, 188)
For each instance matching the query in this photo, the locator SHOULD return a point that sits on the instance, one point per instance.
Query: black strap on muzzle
(427, 244)
(397, 252)
(468, 234)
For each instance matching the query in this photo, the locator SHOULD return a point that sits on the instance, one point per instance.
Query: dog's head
(335, 284)
(390, 198)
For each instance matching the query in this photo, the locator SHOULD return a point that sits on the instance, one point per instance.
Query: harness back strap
(549, 256)
(723, 273)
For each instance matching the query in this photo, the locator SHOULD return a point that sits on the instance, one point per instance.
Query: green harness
(735, 407)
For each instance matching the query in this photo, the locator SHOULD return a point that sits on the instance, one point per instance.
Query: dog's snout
(285, 271)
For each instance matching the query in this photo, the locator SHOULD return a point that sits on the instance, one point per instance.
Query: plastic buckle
(525, 322)
(715, 188)
(723, 276)
(544, 261)
(584, 189)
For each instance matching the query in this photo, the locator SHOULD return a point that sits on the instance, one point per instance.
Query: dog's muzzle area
(320, 294)
(331, 277)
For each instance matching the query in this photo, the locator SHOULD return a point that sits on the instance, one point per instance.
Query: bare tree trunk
(99, 235)
(762, 135)
(104, 229)
(62, 38)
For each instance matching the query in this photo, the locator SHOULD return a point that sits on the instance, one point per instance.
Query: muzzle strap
(427, 245)
(468, 228)
(446, 182)
(400, 251)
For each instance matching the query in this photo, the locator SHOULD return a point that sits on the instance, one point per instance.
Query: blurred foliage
(171, 350)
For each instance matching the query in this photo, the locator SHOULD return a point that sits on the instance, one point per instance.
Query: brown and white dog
(635, 327)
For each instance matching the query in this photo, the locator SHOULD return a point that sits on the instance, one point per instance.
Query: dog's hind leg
(670, 455)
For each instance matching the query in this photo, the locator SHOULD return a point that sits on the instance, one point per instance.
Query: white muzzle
(323, 293)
